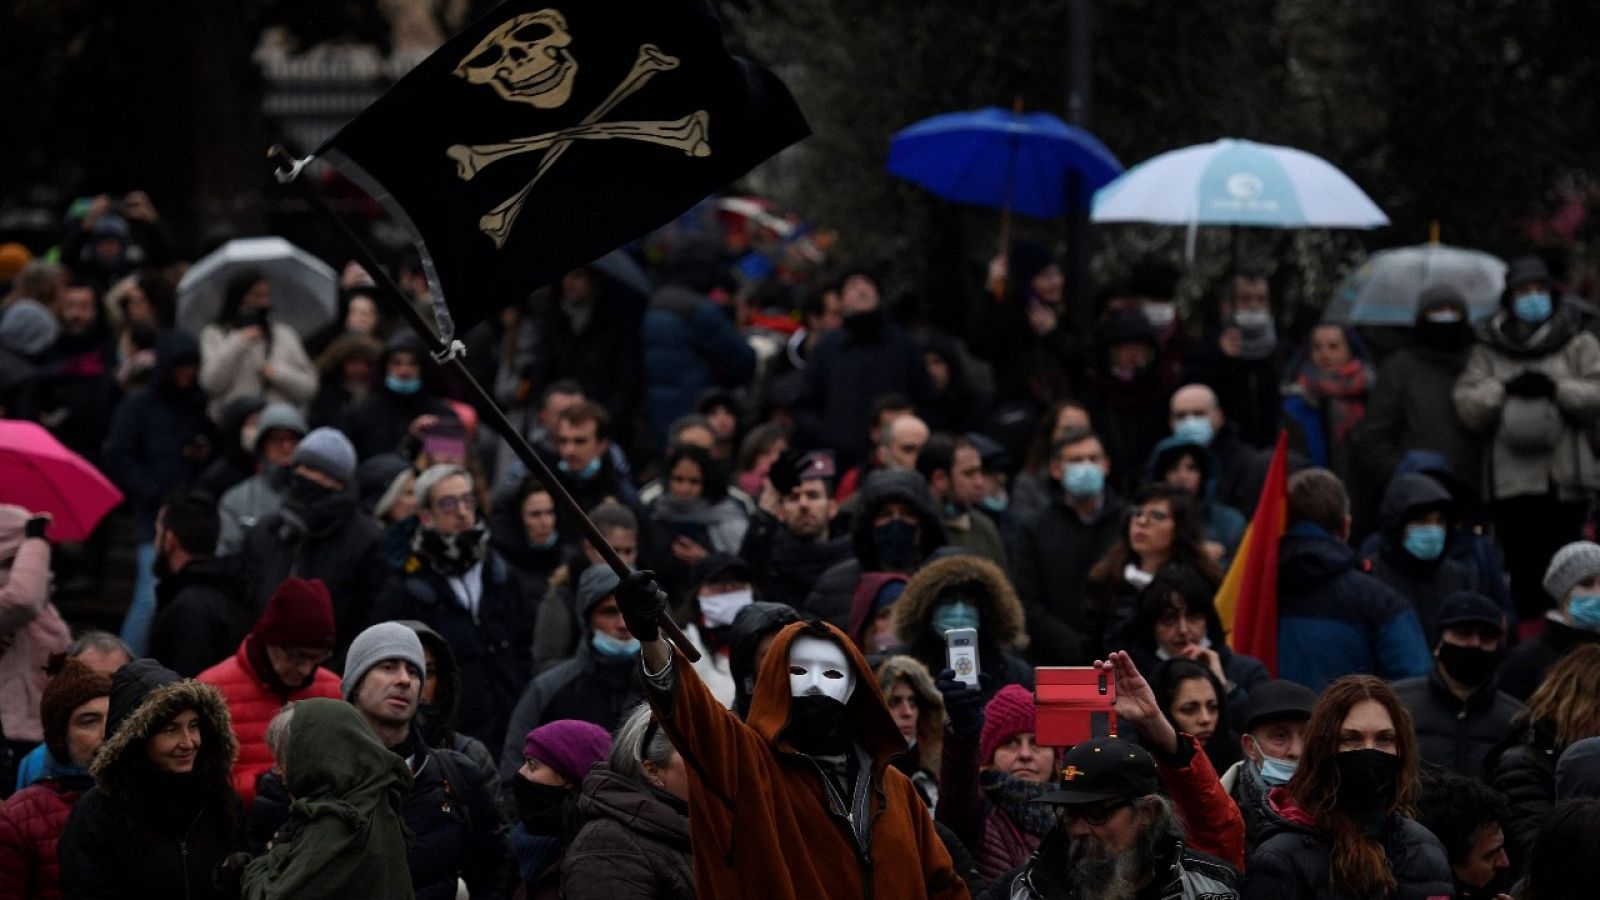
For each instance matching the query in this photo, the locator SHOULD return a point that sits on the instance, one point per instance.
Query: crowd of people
(367, 653)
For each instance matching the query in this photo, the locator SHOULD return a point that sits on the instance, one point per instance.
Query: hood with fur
(1000, 616)
(145, 695)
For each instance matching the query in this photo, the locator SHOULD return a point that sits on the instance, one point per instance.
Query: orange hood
(868, 715)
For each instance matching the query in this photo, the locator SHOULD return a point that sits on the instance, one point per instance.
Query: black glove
(35, 526)
(226, 876)
(963, 706)
(643, 603)
(1531, 383)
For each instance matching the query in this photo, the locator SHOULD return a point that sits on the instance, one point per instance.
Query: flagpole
(285, 165)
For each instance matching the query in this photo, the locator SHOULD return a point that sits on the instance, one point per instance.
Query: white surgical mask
(819, 666)
(719, 609)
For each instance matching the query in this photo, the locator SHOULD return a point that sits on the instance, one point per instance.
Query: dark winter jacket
(830, 599)
(1130, 415)
(143, 832)
(531, 565)
(455, 825)
(492, 648)
(603, 358)
(750, 626)
(31, 823)
(1055, 551)
(1411, 409)
(689, 345)
(201, 615)
(1248, 389)
(1243, 783)
(1454, 733)
(1335, 620)
(1529, 661)
(633, 843)
(1001, 628)
(1183, 874)
(144, 451)
(381, 421)
(346, 552)
(785, 567)
(849, 368)
(1523, 768)
(437, 720)
(1292, 863)
(1426, 583)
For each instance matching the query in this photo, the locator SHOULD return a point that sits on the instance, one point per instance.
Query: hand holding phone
(1075, 703)
(961, 654)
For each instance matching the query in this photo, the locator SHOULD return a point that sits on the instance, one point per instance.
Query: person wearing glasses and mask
(456, 584)
(279, 662)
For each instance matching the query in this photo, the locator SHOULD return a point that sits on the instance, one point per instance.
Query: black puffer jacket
(456, 829)
(633, 842)
(1426, 583)
(201, 615)
(1524, 770)
(830, 599)
(1454, 733)
(1292, 861)
(142, 832)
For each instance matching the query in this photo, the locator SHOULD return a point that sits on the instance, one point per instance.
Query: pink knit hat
(569, 746)
(1009, 713)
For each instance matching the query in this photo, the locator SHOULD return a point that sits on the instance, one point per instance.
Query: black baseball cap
(1278, 700)
(1462, 607)
(795, 466)
(1104, 769)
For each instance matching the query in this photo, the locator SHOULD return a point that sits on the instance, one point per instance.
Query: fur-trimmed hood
(143, 695)
(1000, 615)
(931, 717)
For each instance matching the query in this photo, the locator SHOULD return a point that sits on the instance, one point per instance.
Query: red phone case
(1074, 704)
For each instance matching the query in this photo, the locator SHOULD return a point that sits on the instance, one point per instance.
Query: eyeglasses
(1154, 515)
(1093, 815)
(462, 502)
(307, 657)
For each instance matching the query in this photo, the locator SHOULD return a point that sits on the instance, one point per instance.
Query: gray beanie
(282, 416)
(595, 584)
(27, 328)
(385, 640)
(1576, 562)
(1578, 770)
(328, 451)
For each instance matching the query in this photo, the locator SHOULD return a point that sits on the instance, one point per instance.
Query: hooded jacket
(437, 720)
(1570, 357)
(925, 754)
(254, 697)
(1292, 862)
(144, 450)
(1335, 620)
(344, 837)
(830, 599)
(143, 832)
(1000, 619)
(1426, 583)
(31, 629)
(762, 818)
(1452, 733)
(633, 843)
(1223, 523)
(381, 421)
(750, 625)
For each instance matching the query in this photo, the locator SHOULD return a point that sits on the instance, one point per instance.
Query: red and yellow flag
(1247, 601)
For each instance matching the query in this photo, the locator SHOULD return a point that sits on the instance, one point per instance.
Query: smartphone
(1075, 703)
(961, 654)
(446, 442)
(694, 531)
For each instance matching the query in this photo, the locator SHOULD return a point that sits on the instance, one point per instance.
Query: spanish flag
(1247, 602)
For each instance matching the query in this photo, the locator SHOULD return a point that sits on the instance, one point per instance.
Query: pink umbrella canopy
(40, 475)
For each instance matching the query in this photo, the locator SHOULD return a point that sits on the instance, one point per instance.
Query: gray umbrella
(305, 290)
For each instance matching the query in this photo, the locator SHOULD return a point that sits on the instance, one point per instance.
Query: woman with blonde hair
(1564, 709)
(1340, 827)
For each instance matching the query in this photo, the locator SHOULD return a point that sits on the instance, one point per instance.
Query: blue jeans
(142, 611)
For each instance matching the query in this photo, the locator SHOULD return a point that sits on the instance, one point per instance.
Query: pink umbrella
(40, 475)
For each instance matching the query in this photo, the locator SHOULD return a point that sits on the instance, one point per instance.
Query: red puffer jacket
(253, 701)
(31, 822)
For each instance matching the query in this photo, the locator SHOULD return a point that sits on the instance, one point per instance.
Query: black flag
(548, 133)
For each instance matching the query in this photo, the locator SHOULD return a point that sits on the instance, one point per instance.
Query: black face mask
(1368, 782)
(541, 808)
(307, 494)
(1445, 336)
(816, 724)
(897, 545)
(1469, 665)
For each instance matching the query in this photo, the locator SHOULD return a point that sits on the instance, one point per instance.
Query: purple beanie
(569, 746)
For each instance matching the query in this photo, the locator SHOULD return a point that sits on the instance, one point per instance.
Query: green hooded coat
(344, 837)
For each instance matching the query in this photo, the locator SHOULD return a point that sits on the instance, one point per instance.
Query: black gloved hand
(643, 603)
(226, 876)
(963, 706)
(1531, 383)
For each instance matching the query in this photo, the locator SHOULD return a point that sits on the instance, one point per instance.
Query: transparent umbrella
(1383, 291)
(305, 290)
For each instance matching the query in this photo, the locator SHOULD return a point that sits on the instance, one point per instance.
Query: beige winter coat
(230, 367)
(30, 628)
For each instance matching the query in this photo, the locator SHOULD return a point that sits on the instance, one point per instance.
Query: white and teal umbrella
(1236, 182)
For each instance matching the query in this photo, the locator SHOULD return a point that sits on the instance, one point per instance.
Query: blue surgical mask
(1425, 542)
(1583, 610)
(1194, 430)
(547, 543)
(1084, 480)
(606, 645)
(1277, 772)
(589, 470)
(1532, 308)
(995, 502)
(402, 385)
(952, 615)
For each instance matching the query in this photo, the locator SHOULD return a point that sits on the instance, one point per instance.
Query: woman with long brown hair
(1164, 527)
(1341, 827)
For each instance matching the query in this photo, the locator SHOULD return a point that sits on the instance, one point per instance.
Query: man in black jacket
(1458, 710)
(459, 586)
(201, 610)
(788, 544)
(450, 813)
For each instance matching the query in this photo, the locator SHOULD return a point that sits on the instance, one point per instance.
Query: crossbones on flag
(550, 132)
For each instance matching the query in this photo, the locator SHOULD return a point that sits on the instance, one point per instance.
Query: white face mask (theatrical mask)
(818, 666)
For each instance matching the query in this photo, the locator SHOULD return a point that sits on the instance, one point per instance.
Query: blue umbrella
(1002, 160)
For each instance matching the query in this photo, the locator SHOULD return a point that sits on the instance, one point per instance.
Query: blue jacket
(1336, 620)
(689, 346)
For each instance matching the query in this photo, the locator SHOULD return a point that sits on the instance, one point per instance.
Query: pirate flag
(550, 132)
